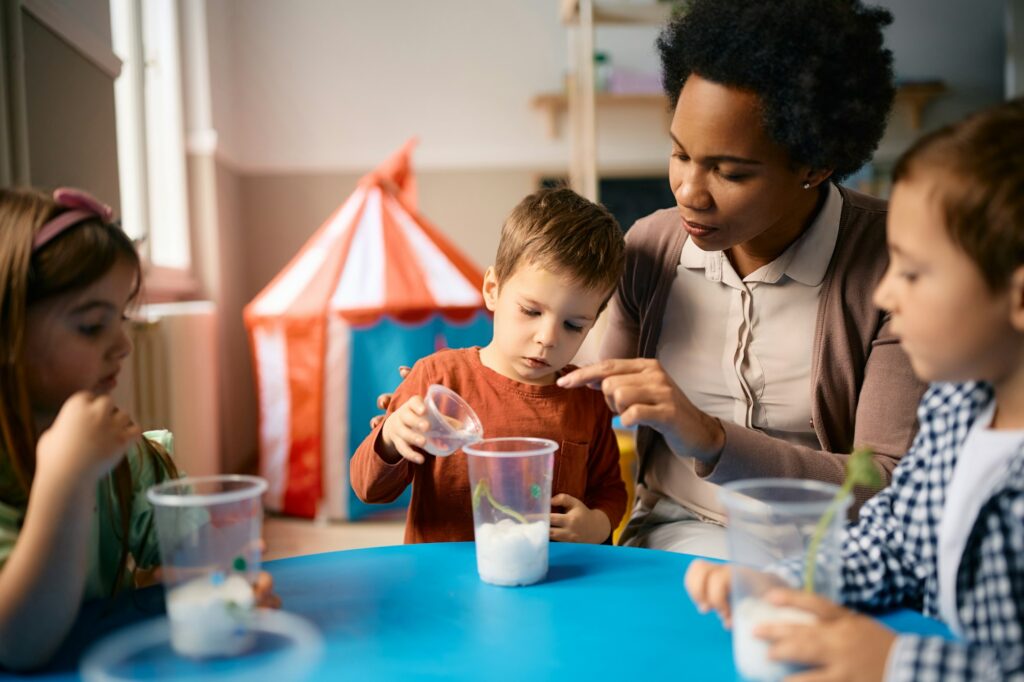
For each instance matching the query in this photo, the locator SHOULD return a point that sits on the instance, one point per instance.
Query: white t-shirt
(979, 468)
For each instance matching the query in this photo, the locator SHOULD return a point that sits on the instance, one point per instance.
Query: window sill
(165, 285)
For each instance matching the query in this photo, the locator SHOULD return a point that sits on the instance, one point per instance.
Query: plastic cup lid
(286, 647)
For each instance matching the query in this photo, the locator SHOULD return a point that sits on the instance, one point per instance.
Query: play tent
(377, 286)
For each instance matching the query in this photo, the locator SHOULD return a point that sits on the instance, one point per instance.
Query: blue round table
(421, 612)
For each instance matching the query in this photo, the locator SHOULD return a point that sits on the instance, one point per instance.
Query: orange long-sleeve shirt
(586, 462)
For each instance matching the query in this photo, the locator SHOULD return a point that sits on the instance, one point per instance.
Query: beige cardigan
(863, 391)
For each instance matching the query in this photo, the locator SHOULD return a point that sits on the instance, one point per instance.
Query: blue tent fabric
(377, 352)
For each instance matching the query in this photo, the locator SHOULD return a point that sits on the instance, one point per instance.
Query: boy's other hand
(709, 585)
(263, 590)
(579, 523)
(384, 399)
(842, 645)
(404, 431)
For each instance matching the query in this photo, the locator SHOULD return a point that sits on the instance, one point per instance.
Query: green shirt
(105, 548)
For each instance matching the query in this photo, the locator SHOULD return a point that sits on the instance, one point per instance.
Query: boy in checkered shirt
(947, 536)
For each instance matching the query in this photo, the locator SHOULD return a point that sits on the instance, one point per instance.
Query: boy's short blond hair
(977, 170)
(561, 231)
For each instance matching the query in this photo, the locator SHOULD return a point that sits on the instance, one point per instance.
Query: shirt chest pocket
(571, 469)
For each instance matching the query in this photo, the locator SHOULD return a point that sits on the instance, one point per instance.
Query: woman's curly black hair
(819, 67)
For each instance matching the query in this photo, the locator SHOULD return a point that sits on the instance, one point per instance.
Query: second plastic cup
(510, 479)
(209, 532)
(453, 423)
(771, 524)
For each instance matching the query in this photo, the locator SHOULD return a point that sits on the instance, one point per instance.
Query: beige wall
(69, 108)
(238, 396)
(214, 190)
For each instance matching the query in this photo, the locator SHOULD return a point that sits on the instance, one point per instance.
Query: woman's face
(733, 185)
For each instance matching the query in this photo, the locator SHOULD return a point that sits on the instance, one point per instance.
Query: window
(150, 138)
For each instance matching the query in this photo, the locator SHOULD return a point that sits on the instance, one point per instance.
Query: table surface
(421, 612)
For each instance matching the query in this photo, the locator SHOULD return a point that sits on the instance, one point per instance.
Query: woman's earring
(807, 185)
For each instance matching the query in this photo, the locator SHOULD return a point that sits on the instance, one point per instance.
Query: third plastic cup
(452, 422)
(771, 523)
(510, 480)
(209, 530)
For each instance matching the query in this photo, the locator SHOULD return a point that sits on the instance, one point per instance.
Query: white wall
(1015, 48)
(223, 75)
(337, 85)
(320, 84)
(960, 42)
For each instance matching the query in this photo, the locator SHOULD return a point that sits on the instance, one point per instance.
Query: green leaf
(478, 491)
(482, 490)
(860, 470)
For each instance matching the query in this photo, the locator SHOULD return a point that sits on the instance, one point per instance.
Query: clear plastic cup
(510, 479)
(209, 532)
(771, 523)
(453, 423)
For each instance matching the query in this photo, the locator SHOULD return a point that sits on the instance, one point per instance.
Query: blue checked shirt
(890, 557)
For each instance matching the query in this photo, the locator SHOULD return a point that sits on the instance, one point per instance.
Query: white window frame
(151, 142)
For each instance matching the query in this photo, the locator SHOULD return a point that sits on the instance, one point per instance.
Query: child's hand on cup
(708, 585)
(841, 645)
(88, 437)
(406, 430)
(578, 523)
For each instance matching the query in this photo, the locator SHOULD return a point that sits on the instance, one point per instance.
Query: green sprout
(860, 470)
(237, 612)
(483, 489)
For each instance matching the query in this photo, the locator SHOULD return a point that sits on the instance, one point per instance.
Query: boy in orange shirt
(559, 260)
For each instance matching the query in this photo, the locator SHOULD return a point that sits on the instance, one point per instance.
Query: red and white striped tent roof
(374, 256)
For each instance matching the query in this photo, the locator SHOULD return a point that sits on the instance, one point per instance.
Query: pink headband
(81, 206)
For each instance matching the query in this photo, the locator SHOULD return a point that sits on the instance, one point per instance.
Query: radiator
(170, 381)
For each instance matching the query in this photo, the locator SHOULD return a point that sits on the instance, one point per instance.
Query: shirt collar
(812, 252)
(805, 261)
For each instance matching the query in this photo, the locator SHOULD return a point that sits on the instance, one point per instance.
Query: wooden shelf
(917, 96)
(555, 104)
(914, 96)
(652, 13)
